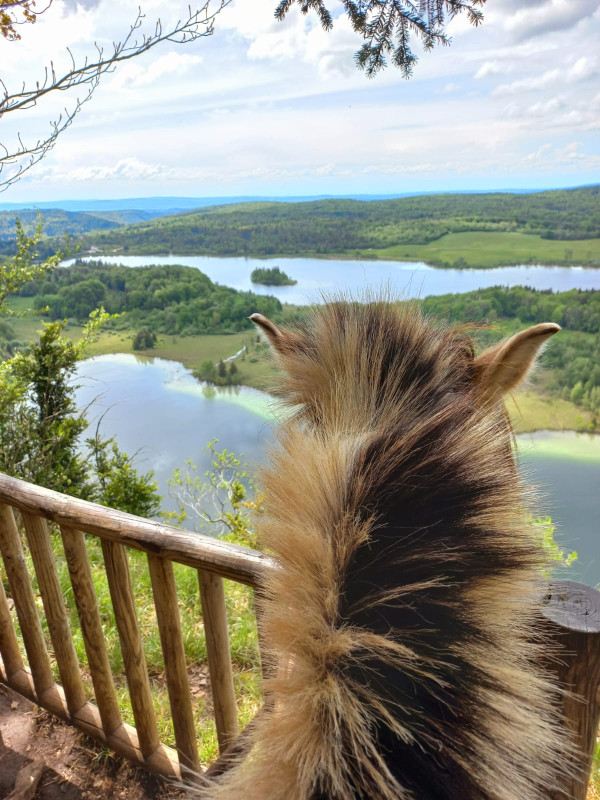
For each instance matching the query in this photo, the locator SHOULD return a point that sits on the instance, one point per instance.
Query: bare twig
(22, 156)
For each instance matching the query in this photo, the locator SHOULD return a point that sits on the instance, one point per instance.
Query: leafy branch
(388, 25)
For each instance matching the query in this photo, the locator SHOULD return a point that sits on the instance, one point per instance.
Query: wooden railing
(572, 620)
(163, 545)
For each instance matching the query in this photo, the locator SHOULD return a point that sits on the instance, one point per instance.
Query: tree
(17, 158)
(21, 268)
(145, 339)
(387, 26)
(9, 18)
(41, 428)
(223, 499)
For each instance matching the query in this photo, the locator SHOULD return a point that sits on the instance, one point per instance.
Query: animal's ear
(504, 366)
(278, 339)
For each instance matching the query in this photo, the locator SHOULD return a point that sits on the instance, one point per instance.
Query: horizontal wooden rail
(239, 563)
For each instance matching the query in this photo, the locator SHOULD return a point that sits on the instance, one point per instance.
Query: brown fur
(402, 617)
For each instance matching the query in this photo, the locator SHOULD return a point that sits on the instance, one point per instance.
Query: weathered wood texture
(214, 614)
(573, 619)
(40, 547)
(169, 626)
(203, 552)
(9, 646)
(24, 600)
(91, 627)
(121, 591)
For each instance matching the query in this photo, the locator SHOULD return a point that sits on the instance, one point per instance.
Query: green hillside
(57, 222)
(377, 228)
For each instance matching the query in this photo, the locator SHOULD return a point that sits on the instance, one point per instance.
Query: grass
(480, 249)
(530, 411)
(242, 632)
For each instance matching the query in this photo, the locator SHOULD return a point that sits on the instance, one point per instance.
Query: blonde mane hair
(401, 625)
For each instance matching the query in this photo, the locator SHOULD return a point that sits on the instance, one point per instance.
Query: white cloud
(125, 169)
(132, 75)
(546, 79)
(549, 156)
(541, 108)
(488, 69)
(449, 88)
(583, 69)
(533, 20)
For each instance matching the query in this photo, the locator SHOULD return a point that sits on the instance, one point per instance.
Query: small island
(271, 276)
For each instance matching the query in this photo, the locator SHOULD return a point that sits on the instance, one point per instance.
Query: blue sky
(269, 108)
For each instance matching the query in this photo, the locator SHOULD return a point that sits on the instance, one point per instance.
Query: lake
(411, 279)
(157, 409)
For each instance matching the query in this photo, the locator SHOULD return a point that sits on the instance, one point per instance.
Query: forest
(167, 299)
(572, 363)
(342, 226)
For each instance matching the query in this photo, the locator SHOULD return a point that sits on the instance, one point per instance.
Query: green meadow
(493, 249)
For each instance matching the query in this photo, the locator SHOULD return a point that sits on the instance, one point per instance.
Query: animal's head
(347, 359)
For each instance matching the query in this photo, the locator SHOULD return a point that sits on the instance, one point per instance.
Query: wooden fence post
(24, 599)
(169, 626)
(40, 547)
(573, 621)
(91, 628)
(214, 614)
(121, 591)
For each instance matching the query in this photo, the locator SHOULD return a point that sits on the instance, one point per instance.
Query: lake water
(411, 279)
(156, 407)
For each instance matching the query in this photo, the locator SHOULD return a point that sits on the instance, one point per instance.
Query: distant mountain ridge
(172, 205)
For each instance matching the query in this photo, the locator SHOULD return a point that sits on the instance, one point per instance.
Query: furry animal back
(401, 622)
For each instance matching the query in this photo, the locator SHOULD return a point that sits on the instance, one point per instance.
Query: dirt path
(76, 768)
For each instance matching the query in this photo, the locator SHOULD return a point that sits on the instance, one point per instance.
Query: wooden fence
(572, 617)
(163, 545)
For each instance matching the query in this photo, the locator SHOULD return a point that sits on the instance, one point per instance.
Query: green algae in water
(560, 445)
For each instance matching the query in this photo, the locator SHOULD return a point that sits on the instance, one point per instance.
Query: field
(480, 249)
(531, 411)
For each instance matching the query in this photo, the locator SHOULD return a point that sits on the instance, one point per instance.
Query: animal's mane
(401, 620)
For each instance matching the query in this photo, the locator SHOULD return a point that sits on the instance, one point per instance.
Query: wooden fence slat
(91, 627)
(9, 646)
(121, 590)
(40, 547)
(169, 626)
(22, 594)
(214, 613)
(572, 617)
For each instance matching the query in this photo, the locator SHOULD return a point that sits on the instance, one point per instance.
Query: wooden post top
(573, 606)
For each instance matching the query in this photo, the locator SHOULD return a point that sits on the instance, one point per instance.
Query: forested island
(272, 276)
(458, 230)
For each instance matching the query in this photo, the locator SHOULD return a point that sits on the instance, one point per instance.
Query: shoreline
(356, 256)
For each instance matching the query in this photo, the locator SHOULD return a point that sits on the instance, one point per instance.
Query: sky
(271, 108)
